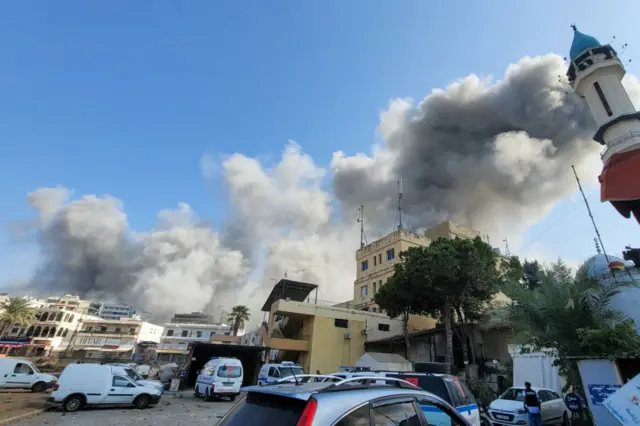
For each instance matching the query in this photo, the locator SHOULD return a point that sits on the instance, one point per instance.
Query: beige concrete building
(375, 264)
(318, 337)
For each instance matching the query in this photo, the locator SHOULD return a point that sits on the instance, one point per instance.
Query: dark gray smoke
(484, 155)
(493, 157)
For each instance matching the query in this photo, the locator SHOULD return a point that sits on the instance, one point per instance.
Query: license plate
(499, 417)
(227, 383)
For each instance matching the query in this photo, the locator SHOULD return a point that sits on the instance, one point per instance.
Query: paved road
(171, 411)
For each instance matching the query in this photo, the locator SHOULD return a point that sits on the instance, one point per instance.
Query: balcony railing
(102, 333)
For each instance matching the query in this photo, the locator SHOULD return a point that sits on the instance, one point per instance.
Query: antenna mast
(360, 220)
(400, 204)
(586, 203)
(506, 247)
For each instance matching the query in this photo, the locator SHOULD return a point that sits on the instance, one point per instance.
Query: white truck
(16, 373)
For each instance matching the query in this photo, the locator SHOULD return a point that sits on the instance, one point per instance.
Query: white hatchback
(508, 409)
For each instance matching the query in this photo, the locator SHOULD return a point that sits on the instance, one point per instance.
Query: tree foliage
(238, 316)
(15, 311)
(567, 314)
(451, 280)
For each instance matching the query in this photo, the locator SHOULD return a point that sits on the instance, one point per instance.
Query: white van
(270, 373)
(133, 375)
(100, 384)
(220, 377)
(16, 373)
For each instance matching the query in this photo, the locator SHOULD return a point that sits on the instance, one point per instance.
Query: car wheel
(485, 421)
(565, 419)
(142, 402)
(207, 397)
(73, 403)
(197, 392)
(39, 387)
(232, 398)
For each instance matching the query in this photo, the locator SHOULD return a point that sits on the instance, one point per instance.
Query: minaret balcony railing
(620, 140)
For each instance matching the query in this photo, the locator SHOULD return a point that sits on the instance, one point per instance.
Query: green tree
(532, 272)
(398, 298)
(15, 311)
(569, 315)
(450, 280)
(238, 316)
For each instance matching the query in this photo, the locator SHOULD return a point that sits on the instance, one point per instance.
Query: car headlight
(522, 411)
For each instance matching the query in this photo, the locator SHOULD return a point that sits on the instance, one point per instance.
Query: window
(184, 333)
(260, 409)
(198, 334)
(402, 413)
(391, 254)
(341, 323)
(604, 101)
(230, 371)
(364, 291)
(438, 415)
(169, 332)
(121, 382)
(359, 417)
(555, 395)
(103, 329)
(273, 372)
(459, 396)
(365, 265)
(14, 330)
(213, 333)
(383, 327)
(22, 368)
(117, 329)
(380, 259)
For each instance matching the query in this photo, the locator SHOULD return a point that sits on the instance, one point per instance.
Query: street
(170, 411)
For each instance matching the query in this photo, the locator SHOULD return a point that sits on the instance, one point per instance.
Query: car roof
(304, 391)
(535, 388)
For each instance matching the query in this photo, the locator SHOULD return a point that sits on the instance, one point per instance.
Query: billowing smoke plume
(490, 156)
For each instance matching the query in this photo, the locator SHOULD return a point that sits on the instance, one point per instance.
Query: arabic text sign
(598, 393)
(625, 403)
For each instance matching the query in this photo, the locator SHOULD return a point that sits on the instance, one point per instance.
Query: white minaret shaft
(596, 75)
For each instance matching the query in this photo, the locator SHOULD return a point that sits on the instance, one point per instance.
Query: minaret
(595, 74)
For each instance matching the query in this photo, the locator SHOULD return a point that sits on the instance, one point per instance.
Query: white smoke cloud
(492, 156)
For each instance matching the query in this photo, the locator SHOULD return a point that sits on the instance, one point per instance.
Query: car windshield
(290, 371)
(230, 371)
(265, 410)
(35, 369)
(513, 394)
(132, 374)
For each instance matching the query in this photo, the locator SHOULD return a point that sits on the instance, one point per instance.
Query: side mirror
(31, 372)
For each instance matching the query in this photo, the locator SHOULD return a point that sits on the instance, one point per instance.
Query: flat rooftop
(287, 289)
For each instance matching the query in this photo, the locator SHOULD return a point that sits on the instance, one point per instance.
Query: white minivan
(270, 373)
(16, 373)
(220, 377)
(100, 384)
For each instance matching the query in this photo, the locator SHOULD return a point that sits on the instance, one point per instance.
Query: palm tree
(239, 314)
(559, 314)
(15, 311)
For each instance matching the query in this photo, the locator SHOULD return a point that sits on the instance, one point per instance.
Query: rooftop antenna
(506, 247)
(586, 203)
(360, 220)
(400, 192)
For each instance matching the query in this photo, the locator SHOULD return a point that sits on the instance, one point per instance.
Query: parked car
(508, 409)
(350, 402)
(16, 373)
(448, 387)
(100, 384)
(133, 375)
(220, 377)
(271, 373)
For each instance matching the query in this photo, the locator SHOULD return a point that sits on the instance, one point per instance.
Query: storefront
(104, 348)
(14, 346)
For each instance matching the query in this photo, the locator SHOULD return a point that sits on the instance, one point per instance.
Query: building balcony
(106, 334)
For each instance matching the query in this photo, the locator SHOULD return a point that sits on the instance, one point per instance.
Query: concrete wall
(150, 332)
(330, 349)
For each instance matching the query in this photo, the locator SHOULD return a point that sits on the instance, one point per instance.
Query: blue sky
(124, 97)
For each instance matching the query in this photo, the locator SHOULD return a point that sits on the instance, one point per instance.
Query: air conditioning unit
(347, 335)
(364, 332)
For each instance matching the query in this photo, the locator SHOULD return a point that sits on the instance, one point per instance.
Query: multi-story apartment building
(116, 311)
(50, 333)
(114, 339)
(74, 303)
(376, 261)
(192, 318)
(176, 339)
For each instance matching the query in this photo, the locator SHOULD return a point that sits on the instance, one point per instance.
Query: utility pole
(400, 191)
(360, 220)
(593, 221)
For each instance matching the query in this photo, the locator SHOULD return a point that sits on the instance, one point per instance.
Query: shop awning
(620, 183)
